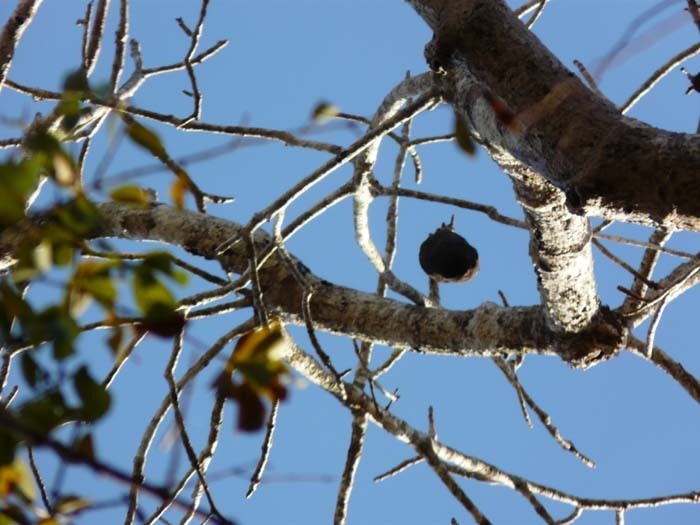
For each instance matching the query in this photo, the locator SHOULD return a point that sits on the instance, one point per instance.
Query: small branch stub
(694, 81)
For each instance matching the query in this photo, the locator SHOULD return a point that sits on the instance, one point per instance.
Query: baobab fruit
(447, 257)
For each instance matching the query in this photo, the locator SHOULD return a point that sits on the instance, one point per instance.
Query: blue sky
(284, 57)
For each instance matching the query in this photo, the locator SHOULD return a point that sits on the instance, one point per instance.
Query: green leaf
(62, 331)
(17, 181)
(13, 303)
(163, 263)
(76, 81)
(144, 137)
(151, 294)
(77, 218)
(32, 372)
(75, 88)
(71, 110)
(85, 446)
(8, 445)
(163, 322)
(56, 326)
(92, 280)
(95, 399)
(44, 413)
(158, 260)
(13, 515)
(47, 150)
(43, 144)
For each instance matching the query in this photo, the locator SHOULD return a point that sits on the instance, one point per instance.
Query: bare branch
(18, 22)
(266, 448)
(352, 461)
(95, 40)
(536, 15)
(120, 39)
(658, 75)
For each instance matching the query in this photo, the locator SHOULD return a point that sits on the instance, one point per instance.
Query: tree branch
(485, 331)
(528, 106)
(12, 31)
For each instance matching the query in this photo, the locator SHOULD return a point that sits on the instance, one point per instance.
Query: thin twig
(12, 32)
(120, 38)
(503, 366)
(646, 267)
(663, 361)
(535, 16)
(257, 296)
(643, 244)
(398, 468)
(614, 258)
(396, 355)
(205, 458)
(588, 78)
(439, 468)
(421, 104)
(95, 41)
(88, 251)
(526, 8)
(265, 450)
(352, 462)
(544, 418)
(657, 75)
(39, 480)
(523, 489)
(695, 14)
(121, 359)
(490, 211)
(195, 35)
(139, 462)
(74, 456)
(180, 420)
(655, 320)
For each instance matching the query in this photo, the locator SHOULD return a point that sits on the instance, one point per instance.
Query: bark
(608, 165)
(485, 331)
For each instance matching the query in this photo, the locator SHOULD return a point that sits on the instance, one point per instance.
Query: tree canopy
(213, 307)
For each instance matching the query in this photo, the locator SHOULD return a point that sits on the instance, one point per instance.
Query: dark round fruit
(447, 257)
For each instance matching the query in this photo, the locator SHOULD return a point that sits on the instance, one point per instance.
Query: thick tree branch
(524, 103)
(485, 331)
(560, 248)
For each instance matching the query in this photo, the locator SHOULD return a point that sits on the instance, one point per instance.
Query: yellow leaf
(131, 195)
(43, 256)
(72, 504)
(178, 191)
(464, 137)
(65, 170)
(265, 341)
(15, 478)
(324, 111)
(144, 137)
